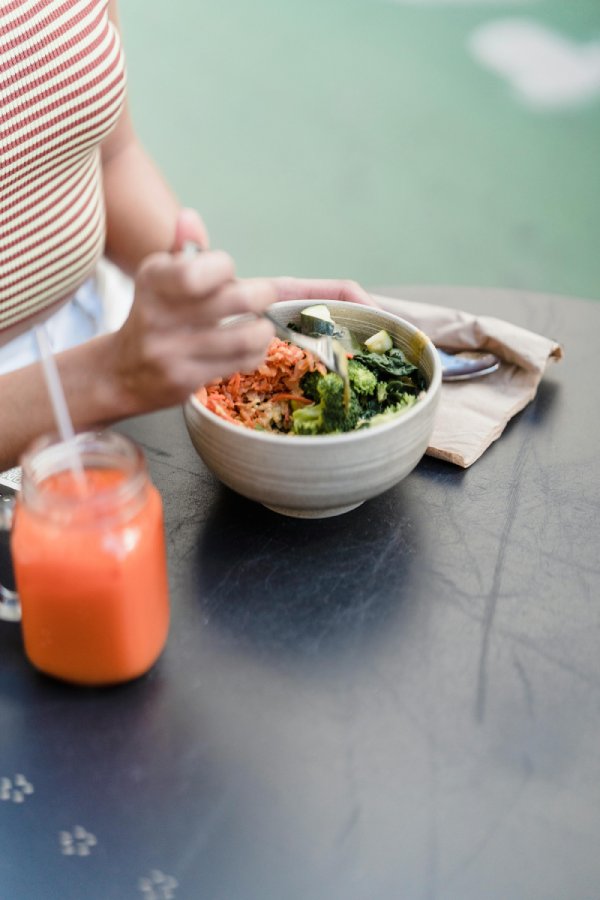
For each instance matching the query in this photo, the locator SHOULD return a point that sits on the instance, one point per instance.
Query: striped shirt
(62, 86)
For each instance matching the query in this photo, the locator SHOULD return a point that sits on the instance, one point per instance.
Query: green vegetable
(308, 420)
(337, 415)
(394, 362)
(390, 412)
(383, 383)
(330, 414)
(316, 320)
(309, 385)
(362, 380)
(380, 342)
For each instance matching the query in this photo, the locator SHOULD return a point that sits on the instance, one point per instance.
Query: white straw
(57, 398)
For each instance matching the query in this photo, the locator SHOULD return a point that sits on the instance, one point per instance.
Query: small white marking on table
(79, 842)
(15, 789)
(158, 886)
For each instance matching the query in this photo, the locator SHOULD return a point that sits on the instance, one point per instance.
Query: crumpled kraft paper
(473, 414)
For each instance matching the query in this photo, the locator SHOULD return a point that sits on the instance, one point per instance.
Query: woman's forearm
(171, 343)
(141, 210)
(93, 398)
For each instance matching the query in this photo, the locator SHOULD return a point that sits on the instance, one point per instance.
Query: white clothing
(101, 304)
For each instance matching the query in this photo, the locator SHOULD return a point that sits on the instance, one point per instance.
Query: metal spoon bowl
(467, 364)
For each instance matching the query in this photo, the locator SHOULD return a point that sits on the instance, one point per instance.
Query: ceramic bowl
(324, 475)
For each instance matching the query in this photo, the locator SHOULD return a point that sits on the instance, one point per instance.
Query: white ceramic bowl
(324, 475)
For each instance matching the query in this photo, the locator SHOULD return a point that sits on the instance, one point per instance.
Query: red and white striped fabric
(62, 86)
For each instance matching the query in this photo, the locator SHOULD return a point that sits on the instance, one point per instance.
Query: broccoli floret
(330, 413)
(309, 385)
(336, 415)
(389, 399)
(381, 391)
(390, 412)
(308, 419)
(362, 379)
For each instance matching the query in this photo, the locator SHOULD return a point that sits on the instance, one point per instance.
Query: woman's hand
(172, 341)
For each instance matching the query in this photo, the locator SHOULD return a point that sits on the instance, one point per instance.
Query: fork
(324, 348)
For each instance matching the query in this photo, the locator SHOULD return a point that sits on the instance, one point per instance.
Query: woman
(75, 183)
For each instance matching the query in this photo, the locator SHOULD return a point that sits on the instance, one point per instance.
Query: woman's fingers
(229, 343)
(248, 296)
(322, 289)
(171, 365)
(173, 340)
(218, 353)
(178, 277)
(189, 227)
(203, 289)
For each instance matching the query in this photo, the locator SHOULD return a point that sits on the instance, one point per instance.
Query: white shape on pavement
(545, 69)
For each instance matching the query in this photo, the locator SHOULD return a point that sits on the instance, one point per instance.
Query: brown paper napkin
(473, 414)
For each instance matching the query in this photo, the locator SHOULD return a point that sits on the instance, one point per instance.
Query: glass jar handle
(10, 608)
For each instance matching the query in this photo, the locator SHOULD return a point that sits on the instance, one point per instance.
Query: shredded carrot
(263, 398)
(297, 398)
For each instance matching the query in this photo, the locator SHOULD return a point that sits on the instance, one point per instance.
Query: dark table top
(402, 702)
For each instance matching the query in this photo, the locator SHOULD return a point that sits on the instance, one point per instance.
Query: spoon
(467, 364)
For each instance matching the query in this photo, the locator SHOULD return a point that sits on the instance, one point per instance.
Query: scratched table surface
(402, 702)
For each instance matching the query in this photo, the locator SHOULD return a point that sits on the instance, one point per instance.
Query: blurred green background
(363, 140)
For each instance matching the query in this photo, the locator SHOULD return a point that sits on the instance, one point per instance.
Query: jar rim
(50, 455)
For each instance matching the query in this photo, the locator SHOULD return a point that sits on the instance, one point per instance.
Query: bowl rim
(361, 434)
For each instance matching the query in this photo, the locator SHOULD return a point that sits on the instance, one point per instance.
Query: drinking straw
(59, 403)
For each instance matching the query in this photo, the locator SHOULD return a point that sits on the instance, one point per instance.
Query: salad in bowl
(307, 442)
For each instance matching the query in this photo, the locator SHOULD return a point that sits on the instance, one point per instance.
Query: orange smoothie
(91, 573)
